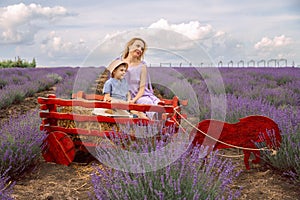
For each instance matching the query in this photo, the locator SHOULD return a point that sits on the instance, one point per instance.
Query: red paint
(243, 134)
(59, 148)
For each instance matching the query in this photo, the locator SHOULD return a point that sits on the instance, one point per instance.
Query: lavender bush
(189, 177)
(287, 159)
(6, 187)
(20, 143)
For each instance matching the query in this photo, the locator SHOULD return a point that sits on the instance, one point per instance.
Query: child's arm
(107, 97)
(106, 90)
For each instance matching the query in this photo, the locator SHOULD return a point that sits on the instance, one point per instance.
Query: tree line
(18, 62)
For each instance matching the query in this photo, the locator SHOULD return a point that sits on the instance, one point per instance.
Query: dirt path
(262, 182)
(51, 181)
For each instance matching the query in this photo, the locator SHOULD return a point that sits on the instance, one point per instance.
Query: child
(116, 88)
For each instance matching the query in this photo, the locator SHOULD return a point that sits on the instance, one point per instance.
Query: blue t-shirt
(116, 88)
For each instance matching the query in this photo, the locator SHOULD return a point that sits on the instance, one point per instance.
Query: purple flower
(20, 143)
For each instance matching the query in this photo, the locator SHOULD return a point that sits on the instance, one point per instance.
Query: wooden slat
(94, 97)
(93, 145)
(43, 107)
(93, 118)
(99, 104)
(88, 96)
(78, 131)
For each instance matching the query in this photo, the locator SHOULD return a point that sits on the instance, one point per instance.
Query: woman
(138, 79)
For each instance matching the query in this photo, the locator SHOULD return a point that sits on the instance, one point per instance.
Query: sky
(190, 32)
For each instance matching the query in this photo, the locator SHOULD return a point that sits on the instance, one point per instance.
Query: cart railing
(67, 128)
(50, 109)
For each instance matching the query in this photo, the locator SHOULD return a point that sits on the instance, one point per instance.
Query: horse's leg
(257, 157)
(246, 158)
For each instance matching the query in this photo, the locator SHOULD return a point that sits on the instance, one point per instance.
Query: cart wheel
(58, 148)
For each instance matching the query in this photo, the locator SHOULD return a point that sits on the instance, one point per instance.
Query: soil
(52, 181)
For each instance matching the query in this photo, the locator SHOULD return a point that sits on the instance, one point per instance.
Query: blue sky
(84, 33)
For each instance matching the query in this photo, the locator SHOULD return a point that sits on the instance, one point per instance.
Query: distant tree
(33, 63)
(18, 62)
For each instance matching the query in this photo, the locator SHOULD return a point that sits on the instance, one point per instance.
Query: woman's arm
(129, 97)
(143, 79)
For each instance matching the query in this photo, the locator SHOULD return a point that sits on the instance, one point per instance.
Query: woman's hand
(132, 101)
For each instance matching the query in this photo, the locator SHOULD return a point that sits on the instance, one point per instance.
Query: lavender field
(272, 92)
(234, 94)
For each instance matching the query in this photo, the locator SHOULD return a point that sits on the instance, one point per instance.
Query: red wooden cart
(66, 121)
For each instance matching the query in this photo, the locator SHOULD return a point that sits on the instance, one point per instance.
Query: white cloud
(188, 41)
(164, 46)
(193, 30)
(276, 42)
(56, 46)
(226, 30)
(279, 47)
(20, 22)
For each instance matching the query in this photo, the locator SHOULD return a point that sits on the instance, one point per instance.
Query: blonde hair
(129, 43)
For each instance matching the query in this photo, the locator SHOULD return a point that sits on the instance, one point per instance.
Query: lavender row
(278, 86)
(137, 176)
(82, 79)
(20, 148)
(272, 92)
(20, 138)
(20, 142)
(16, 84)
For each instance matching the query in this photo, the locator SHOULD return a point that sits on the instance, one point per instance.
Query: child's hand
(107, 99)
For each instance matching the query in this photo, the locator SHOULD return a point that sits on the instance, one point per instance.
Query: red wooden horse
(243, 135)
